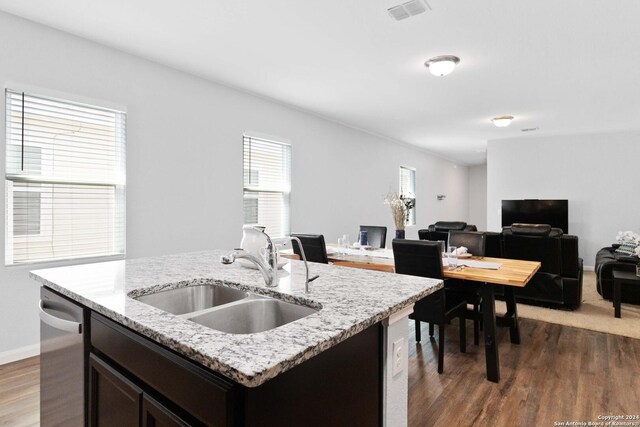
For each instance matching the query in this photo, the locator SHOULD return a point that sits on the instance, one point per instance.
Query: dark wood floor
(558, 373)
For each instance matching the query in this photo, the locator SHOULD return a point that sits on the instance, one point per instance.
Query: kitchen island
(334, 364)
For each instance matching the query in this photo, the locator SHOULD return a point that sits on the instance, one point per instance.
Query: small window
(65, 180)
(408, 191)
(267, 184)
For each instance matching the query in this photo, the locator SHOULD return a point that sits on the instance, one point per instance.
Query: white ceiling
(564, 66)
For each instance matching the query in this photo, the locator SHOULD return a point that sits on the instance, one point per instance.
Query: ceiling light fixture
(442, 65)
(502, 121)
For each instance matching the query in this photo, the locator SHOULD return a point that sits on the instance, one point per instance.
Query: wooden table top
(513, 272)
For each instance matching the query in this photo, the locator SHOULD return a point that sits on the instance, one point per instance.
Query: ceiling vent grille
(530, 129)
(410, 8)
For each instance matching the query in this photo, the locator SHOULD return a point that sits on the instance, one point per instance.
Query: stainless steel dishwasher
(62, 389)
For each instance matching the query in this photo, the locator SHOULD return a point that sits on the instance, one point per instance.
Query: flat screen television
(535, 211)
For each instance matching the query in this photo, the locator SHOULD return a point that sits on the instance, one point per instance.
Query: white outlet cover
(398, 356)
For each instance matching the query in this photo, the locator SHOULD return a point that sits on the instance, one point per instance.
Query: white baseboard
(19, 353)
(589, 268)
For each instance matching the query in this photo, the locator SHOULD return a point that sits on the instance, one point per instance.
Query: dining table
(489, 272)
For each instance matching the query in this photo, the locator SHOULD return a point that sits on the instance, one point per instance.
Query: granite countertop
(351, 300)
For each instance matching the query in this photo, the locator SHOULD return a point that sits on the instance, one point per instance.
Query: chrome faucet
(306, 266)
(269, 273)
(269, 269)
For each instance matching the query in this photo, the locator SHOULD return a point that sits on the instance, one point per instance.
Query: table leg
(617, 298)
(512, 312)
(489, 320)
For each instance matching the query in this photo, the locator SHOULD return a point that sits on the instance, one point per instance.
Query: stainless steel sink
(192, 298)
(227, 309)
(253, 315)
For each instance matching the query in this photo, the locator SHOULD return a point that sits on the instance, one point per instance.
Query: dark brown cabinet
(116, 401)
(154, 414)
(113, 399)
(133, 382)
(202, 396)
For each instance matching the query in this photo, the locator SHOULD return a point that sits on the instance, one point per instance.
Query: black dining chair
(475, 242)
(423, 258)
(314, 246)
(377, 235)
(423, 234)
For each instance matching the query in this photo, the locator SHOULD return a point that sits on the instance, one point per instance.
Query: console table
(620, 277)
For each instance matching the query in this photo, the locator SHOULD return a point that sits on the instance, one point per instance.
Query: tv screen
(534, 211)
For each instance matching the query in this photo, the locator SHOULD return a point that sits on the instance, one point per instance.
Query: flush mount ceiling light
(442, 65)
(502, 121)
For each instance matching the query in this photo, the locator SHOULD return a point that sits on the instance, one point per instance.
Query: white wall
(597, 173)
(478, 196)
(184, 159)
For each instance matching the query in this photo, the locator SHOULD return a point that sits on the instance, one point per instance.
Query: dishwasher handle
(58, 323)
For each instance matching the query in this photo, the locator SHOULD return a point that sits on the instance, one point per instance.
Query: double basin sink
(227, 309)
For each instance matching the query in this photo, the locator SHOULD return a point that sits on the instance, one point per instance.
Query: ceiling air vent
(530, 129)
(410, 8)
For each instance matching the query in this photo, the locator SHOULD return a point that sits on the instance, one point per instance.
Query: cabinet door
(205, 396)
(154, 414)
(113, 399)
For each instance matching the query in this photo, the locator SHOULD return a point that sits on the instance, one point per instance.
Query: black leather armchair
(606, 261)
(559, 280)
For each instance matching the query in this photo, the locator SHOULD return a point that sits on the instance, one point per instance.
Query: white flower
(628, 236)
(398, 209)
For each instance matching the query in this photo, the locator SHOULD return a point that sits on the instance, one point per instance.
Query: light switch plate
(398, 357)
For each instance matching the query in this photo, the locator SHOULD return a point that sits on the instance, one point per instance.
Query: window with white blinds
(408, 190)
(267, 185)
(65, 180)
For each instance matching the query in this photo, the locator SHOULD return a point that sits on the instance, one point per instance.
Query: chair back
(493, 244)
(474, 241)
(418, 258)
(448, 225)
(534, 242)
(314, 246)
(440, 230)
(377, 235)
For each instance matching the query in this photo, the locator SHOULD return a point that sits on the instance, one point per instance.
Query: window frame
(411, 220)
(283, 189)
(117, 183)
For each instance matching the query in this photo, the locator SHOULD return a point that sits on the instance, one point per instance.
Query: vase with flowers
(400, 209)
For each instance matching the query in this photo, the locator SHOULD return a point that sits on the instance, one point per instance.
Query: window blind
(408, 189)
(267, 184)
(65, 179)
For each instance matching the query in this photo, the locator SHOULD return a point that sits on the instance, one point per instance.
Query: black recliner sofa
(606, 261)
(559, 280)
